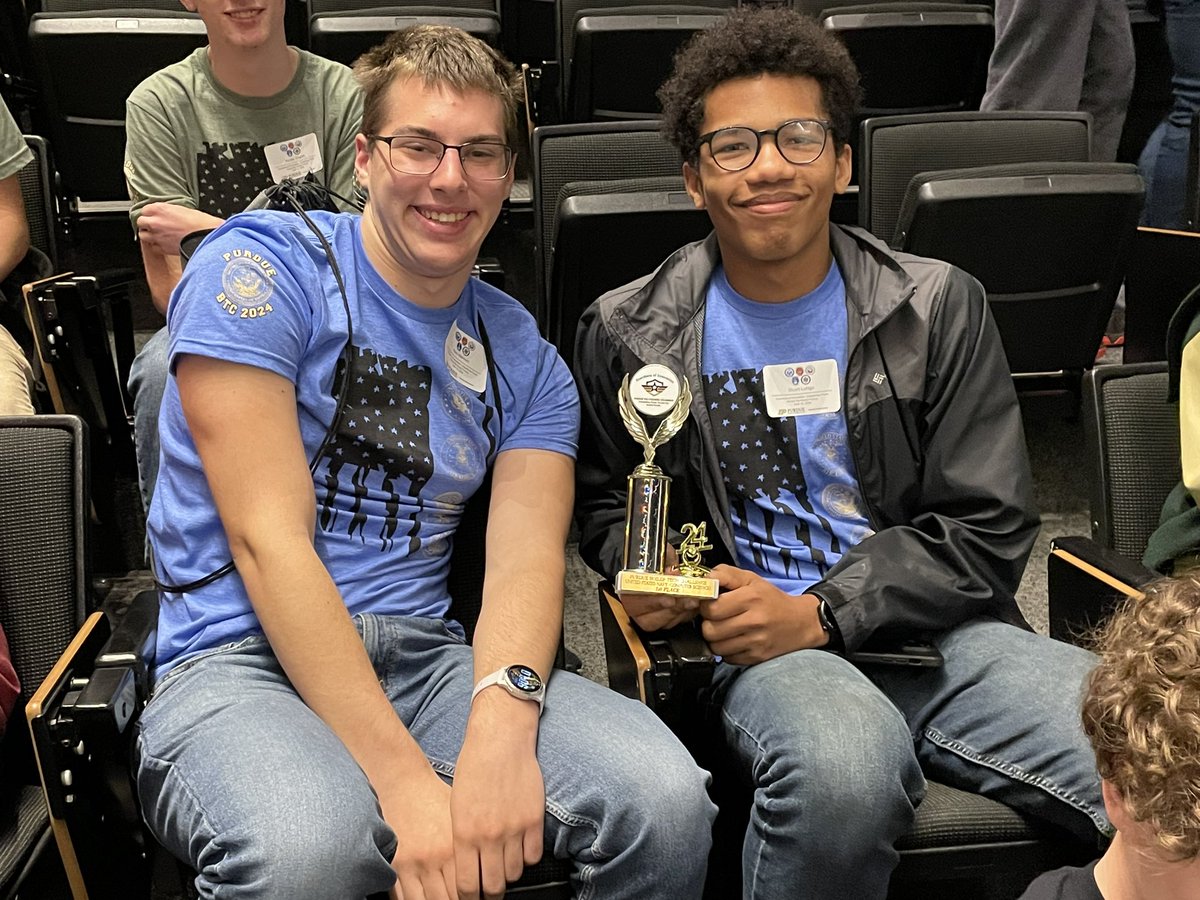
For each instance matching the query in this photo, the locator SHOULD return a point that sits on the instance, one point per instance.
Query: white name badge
(294, 158)
(803, 388)
(466, 359)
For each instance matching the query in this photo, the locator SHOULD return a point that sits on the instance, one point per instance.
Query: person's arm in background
(16, 379)
(164, 210)
(14, 229)
(160, 228)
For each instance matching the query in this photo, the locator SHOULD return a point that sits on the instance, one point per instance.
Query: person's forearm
(314, 638)
(521, 618)
(162, 274)
(521, 621)
(14, 241)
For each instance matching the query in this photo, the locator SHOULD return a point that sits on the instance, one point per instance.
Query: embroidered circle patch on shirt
(248, 284)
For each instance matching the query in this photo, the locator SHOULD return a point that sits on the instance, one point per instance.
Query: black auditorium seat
(1164, 267)
(614, 54)
(816, 7)
(590, 152)
(638, 222)
(1048, 241)
(43, 601)
(1131, 434)
(345, 29)
(895, 148)
(917, 57)
(89, 55)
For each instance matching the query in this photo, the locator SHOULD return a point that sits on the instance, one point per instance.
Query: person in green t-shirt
(205, 136)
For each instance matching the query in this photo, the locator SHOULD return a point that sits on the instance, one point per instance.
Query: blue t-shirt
(793, 494)
(432, 396)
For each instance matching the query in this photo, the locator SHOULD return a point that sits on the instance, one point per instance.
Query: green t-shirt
(191, 141)
(14, 155)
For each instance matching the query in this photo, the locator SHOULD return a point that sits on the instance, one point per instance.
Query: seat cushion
(949, 817)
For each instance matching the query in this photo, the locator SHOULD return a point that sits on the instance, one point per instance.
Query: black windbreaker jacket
(935, 434)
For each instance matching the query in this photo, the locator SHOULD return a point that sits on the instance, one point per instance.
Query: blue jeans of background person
(1164, 159)
(836, 755)
(147, 381)
(243, 781)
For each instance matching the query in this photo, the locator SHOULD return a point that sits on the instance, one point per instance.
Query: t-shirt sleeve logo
(247, 283)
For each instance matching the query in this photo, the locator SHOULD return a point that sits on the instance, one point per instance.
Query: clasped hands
(471, 839)
(749, 622)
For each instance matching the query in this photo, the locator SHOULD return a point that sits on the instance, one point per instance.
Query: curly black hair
(755, 41)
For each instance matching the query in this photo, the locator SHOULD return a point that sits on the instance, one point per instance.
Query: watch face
(524, 679)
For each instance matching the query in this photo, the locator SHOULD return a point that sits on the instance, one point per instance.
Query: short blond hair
(440, 56)
(1142, 711)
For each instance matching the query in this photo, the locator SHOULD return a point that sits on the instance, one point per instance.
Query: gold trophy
(656, 390)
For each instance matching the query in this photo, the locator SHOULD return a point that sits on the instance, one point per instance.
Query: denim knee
(669, 795)
(818, 740)
(298, 856)
(626, 800)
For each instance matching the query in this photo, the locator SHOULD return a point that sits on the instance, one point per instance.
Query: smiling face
(240, 24)
(423, 232)
(772, 218)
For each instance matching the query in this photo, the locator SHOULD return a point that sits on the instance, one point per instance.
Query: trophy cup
(655, 390)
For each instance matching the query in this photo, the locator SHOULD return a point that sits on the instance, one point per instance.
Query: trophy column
(649, 492)
(656, 390)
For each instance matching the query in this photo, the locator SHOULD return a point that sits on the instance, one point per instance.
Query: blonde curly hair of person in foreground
(1142, 714)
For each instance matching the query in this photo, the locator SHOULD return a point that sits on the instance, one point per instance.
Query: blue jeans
(1164, 159)
(835, 755)
(147, 382)
(243, 781)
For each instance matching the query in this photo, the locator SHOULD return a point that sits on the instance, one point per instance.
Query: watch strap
(830, 626)
(500, 677)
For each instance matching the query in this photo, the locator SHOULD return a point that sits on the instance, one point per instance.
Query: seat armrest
(663, 669)
(1086, 581)
(81, 718)
(133, 642)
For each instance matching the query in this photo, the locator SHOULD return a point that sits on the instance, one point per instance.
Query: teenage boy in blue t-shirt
(319, 728)
(855, 447)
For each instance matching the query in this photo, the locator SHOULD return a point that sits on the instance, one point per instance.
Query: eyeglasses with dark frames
(799, 141)
(414, 154)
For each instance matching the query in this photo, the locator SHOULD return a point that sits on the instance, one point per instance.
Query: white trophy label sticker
(803, 388)
(466, 359)
(654, 390)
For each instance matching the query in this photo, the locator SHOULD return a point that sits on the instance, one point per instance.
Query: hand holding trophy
(656, 391)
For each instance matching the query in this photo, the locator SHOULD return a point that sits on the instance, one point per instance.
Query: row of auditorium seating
(612, 55)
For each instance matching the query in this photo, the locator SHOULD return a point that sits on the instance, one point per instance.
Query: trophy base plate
(670, 585)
